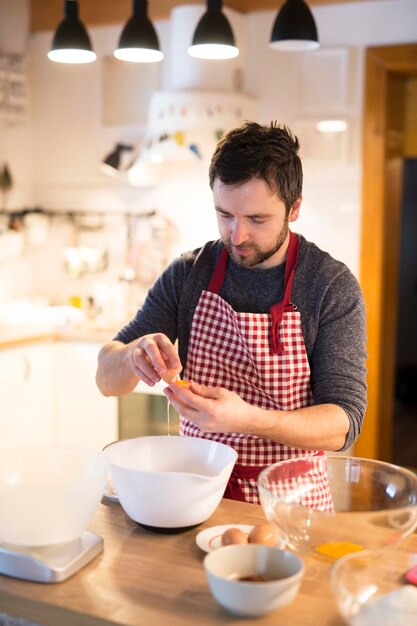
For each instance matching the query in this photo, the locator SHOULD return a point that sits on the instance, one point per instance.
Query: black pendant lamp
(213, 37)
(139, 42)
(112, 163)
(294, 28)
(71, 43)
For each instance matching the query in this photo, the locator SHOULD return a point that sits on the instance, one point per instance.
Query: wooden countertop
(144, 578)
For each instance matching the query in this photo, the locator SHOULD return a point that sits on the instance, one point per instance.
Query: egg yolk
(337, 549)
(182, 383)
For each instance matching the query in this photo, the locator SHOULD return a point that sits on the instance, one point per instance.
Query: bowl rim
(204, 440)
(53, 446)
(88, 453)
(334, 457)
(173, 473)
(375, 553)
(340, 591)
(254, 547)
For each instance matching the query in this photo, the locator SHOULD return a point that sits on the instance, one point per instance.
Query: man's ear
(295, 210)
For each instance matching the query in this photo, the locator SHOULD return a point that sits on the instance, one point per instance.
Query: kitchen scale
(49, 564)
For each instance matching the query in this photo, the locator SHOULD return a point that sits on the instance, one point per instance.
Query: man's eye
(258, 220)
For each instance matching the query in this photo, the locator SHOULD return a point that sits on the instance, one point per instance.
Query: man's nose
(238, 234)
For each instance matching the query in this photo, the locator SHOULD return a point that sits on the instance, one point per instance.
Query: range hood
(183, 129)
(203, 100)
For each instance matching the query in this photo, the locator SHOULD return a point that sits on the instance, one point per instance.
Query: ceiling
(46, 14)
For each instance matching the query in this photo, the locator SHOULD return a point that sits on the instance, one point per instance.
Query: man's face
(252, 222)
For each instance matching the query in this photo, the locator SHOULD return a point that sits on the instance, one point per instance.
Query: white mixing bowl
(49, 493)
(170, 482)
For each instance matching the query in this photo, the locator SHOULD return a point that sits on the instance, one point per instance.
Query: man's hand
(149, 358)
(153, 357)
(213, 409)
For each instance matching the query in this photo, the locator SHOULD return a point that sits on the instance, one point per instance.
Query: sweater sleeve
(338, 371)
(170, 303)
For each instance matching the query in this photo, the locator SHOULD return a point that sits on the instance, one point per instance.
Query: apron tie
(234, 490)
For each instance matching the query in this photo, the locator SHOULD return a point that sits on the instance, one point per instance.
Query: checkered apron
(261, 357)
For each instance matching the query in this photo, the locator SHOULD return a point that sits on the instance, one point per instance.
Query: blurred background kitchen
(103, 180)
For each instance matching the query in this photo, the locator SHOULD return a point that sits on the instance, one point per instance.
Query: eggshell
(263, 533)
(171, 376)
(233, 535)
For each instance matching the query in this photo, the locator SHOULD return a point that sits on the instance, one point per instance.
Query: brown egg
(233, 535)
(263, 533)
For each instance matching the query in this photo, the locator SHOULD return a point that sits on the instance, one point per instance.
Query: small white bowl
(170, 482)
(226, 567)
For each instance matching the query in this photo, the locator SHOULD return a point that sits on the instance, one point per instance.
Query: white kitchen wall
(54, 155)
(330, 213)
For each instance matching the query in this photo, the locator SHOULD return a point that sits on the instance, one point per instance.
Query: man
(270, 329)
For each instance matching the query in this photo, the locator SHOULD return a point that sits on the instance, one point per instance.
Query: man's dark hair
(255, 151)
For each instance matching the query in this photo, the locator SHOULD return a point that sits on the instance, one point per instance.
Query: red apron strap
(219, 273)
(277, 310)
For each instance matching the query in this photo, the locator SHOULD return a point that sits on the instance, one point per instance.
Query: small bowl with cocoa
(251, 579)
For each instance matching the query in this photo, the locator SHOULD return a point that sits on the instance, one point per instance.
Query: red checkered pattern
(231, 349)
(300, 491)
(304, 483)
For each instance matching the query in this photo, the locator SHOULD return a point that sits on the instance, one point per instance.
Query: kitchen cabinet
(84, 416)
(27, 412)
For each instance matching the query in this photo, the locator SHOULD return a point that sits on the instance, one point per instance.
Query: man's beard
(258, 256)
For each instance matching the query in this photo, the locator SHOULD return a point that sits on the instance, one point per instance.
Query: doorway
(388, 71)
(404, 451)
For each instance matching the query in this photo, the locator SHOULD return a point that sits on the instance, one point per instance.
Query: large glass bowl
(330, 505)
(370, 588)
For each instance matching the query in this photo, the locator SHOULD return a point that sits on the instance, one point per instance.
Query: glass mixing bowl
(370, 588)
(330, 505)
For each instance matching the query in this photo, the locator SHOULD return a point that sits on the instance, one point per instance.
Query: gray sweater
(325, 292)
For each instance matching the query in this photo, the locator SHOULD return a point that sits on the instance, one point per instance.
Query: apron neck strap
(220, 270)
(277, 310)
(219, 273)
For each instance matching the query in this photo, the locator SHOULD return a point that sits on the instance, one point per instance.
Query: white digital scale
(49, 564)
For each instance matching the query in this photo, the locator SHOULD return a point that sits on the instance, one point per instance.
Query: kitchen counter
(24, 335)
(26, 321)
(144, 578)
